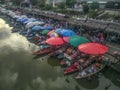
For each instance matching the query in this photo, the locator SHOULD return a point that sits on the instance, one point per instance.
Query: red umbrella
(66, 39)
(55, 41)
(93, 48)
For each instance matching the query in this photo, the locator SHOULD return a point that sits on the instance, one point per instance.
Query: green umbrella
(77, 40)
(44, 32)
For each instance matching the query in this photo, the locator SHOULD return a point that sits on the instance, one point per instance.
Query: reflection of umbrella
(53, 34)
(66, 39)
(45, 32)
(77, 40)
(66, 33)
(93, 48)
(37, 28)
(55, 41)
(48, 27)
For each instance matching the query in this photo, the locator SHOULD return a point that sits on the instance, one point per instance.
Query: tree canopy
(70, 3)
(85, 8)
(94, 5)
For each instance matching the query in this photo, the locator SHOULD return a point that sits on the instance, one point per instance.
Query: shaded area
(89, 84)
(53, 62)
(113, 76)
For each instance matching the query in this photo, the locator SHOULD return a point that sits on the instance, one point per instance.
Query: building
(26, 3)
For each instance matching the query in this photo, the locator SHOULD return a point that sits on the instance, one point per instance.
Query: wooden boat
(72, 68)
(42, 43)
(15, 30)
(60, 56)
(63, 62)
(45, 50)
(91, 70)
(56, 52)
(44, 46)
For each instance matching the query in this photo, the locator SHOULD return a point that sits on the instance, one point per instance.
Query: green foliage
(39, 3)
(70, 3)
(61, 5)
(85, 8)
(47, 7)
(94, 5)
(16, 2)
(34, 2)
(93, 14)
(2, 1)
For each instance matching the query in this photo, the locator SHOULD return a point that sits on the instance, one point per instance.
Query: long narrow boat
(15, 30)
(45, 50)
(56, 52)
(72, 68)
(91, 70)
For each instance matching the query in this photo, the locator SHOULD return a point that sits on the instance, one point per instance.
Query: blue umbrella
(67, 33)
(58, 31)
(18, 19)
(26, 21)
(48, 28)
(37, 28)
(35, 20)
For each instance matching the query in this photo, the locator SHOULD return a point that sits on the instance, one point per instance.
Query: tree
(70, 3)
(16, 2)
(94, 5)
(61, 6)
(34, 2)
(85, 8)
(47, 7)
(41, 3)
(2, 1)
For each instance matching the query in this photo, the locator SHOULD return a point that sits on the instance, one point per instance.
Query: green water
(20, 70)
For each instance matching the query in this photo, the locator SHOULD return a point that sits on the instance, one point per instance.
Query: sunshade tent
(27, 21)
(53, 34)
(45, 32)
(55, 41)
(24, 19)
(37, 28)
(93, 48)
(66, 39)
(47, 27)
(58, 30)
(31, 24)
(67, 33)
(77, 40)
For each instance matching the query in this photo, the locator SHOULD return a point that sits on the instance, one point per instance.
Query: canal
(20, 70)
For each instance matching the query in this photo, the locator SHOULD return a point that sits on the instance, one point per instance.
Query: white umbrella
(31, 24)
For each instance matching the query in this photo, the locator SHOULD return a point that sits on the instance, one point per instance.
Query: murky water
(20, 70)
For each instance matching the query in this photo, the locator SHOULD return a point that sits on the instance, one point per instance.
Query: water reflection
(53, 62)
(89, 84)
(113, 76)
(20, 70)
